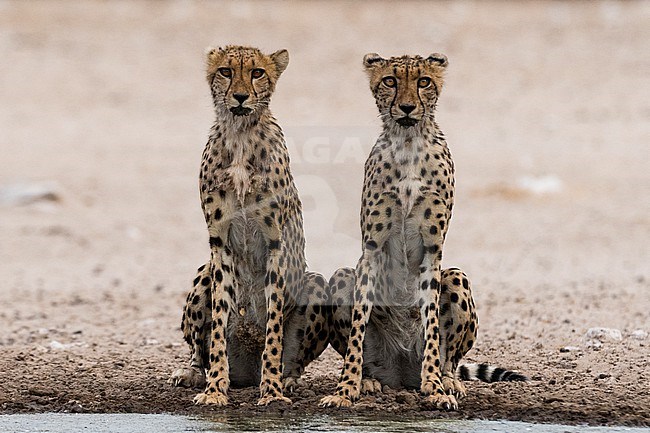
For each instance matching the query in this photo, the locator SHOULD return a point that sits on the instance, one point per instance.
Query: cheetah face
(242, 79)
(406, 88)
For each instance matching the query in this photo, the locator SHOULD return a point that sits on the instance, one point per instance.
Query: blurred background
(104, 112)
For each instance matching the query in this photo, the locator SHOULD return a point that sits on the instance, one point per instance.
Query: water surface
(137, 423)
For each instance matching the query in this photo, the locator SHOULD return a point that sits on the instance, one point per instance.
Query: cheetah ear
(372, 59)
(438, 58)
(281, 60)
(211, 51)
(211, 61)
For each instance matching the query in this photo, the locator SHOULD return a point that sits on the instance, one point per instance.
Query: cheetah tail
(488, 373)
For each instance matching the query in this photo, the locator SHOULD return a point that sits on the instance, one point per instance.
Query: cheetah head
(242, 79)
(406, 88)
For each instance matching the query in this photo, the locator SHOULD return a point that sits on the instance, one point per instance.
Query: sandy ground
(103, 117)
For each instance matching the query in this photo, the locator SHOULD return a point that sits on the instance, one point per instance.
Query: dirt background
(104, 112)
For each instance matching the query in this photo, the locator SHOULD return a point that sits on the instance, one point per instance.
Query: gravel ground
(103, 119)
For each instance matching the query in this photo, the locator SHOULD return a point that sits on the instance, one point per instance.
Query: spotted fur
(245, 316)
(411, 322)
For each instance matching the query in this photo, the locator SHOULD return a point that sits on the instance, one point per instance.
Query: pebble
(595, 337)
(549, 184)
(570, 349)
(405, 397)
(41, 391)
(74, 406)
(22, 194)
(56, 345)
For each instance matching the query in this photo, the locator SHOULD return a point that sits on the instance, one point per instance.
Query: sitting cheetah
(249, 302)
(423, 318)
(393, 344)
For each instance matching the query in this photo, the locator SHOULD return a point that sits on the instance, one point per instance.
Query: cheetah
(245, 317)
(393, 344)
(411, 322)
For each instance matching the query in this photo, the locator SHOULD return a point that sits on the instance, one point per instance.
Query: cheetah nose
(241, 97)
(407, 108)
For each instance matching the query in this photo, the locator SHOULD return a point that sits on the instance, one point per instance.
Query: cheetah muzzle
(241, 110)
(407, 122)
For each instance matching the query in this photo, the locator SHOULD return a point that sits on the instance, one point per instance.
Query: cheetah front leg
(432, 213)
(271, 388)
(341, 287)
(223, 299)
(349, 386)
(218, 209)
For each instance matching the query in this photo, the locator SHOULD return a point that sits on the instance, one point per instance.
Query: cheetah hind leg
(459, 326)
(307, 335)
(195, 325)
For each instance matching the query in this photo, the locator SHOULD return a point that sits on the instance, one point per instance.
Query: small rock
(595, 337)
(549, 400)
(604, 333)
(569, 349)
(603, 376)
(405, 397)
(56, 345)
(549, 184)
(22, 194)
(73, 406)
(639, 334)
(593, 344)
(41, 391)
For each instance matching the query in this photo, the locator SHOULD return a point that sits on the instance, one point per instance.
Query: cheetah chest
(238, 172)
(404, 246)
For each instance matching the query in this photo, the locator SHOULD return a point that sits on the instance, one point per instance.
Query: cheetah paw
(290, 384)
(453, 386)
(370, 386)
(442, 402)
(268, 399)
(335, 401)
(213, 399)
(192, 377)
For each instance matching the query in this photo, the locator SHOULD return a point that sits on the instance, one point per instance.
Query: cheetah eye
(257, 73)
(389, 81)
(424, 82)
(226, 72)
